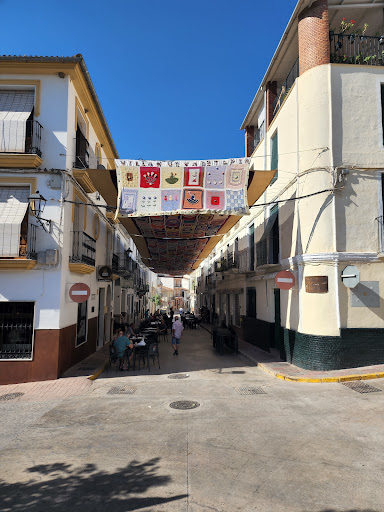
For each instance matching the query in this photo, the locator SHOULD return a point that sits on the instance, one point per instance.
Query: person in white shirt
(177, 331)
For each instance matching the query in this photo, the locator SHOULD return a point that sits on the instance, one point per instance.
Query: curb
(310, 380)
(99, 370)
(343, 378)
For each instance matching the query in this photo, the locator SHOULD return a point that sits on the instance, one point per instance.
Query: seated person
(130, 329)
(124, 349)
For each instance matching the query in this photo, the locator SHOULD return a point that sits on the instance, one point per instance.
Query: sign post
(285, 280)
(79, 292)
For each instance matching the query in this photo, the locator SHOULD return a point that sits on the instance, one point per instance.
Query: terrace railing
(357, 49)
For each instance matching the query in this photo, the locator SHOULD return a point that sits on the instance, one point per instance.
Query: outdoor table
(221, 336)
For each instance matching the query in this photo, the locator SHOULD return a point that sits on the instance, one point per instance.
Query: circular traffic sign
(79, 292)
(285, 280)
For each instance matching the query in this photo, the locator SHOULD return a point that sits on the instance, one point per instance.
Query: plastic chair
(153, 353)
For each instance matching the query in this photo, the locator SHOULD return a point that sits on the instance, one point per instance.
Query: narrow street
(116, 445)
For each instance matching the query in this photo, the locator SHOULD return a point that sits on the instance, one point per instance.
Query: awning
(15, 109)
(13, 207)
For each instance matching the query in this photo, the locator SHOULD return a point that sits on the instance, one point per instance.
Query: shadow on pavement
(61, 487)
(349, 510)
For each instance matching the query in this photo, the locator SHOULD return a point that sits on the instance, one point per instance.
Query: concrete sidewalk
(272, 364)
(92, 366)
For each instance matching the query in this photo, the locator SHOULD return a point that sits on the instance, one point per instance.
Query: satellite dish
(350, 276)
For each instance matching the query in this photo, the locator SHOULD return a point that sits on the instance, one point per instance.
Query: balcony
(267, 251)
(20, 144)
(125, 266)
(83, 257)
(27, 257)
(82, 152)
(357, 49)
(283, 91)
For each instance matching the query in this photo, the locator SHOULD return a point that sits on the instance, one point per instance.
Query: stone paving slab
(269, 363)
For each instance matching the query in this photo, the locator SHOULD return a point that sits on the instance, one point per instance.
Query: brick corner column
(314, 48)
(271, 95)
(249, 134)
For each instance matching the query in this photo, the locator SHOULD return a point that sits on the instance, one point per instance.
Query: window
(274, 156)
(16, 330)
(82, 323)
(14, 221)
(98, 155)
(251, 245)
(268, 247)
(16, 120)
(251, 302)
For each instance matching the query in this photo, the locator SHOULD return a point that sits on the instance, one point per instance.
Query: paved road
(74, 446)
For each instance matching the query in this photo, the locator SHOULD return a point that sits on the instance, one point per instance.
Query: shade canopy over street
(175, 243)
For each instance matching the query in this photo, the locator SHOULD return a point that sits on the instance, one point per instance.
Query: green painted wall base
(353, 348)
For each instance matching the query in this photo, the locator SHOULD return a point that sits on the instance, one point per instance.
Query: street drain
(122, 390)
(361, 387)
(10, 396)
(251, 391)
(184, 404)
(178, 376)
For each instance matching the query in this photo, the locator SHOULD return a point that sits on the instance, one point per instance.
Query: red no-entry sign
(79, 292)
(285, 280)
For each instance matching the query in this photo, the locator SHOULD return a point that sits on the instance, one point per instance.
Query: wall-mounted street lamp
(36, 205)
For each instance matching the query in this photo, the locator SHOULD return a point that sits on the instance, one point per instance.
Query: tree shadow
(62, 487)
(349, 510)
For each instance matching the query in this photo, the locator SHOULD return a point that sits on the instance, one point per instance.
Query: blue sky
(174, 78)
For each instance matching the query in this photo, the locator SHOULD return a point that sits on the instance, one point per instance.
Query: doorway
(277, 333)
(100, 326)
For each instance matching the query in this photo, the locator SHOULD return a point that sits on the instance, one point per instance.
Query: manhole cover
(251, 391)
(122, 390)
(361, 387)
(184, 404)
(178, 376)
(10, 396)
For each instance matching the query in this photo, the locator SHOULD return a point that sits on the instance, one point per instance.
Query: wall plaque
(316, 284)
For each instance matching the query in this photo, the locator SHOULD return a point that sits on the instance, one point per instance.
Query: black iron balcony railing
(82, 152)
(285, 88)
(267, 251)
(357, 49)
(83, 248)
(115, 263)
(22, 137)
(258, 136)
(125, 264)
(28, 243)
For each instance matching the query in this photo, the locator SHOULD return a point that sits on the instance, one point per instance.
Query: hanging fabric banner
(182, 187)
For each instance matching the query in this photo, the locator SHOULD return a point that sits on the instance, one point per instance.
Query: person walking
(177, 332)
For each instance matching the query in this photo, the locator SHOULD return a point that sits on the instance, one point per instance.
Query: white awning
(15, 109)
(13, 207)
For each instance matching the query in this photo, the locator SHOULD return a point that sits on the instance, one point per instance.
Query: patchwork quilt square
(149, 177)
(215, 200)
(236, 201)
(192, 199)
(193, 176)
(235, 176)
(149, 201)
(128, 201)
(215, 177)
(170, 200)
(171, 177)
(130, 176)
